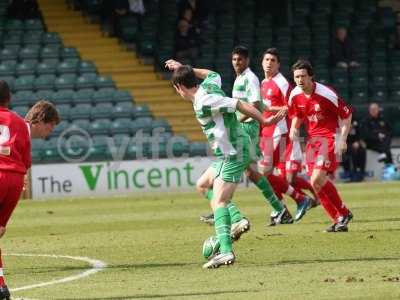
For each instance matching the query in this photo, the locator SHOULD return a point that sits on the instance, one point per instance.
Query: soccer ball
(210, 247)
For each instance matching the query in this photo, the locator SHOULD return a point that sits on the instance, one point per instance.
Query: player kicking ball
(327, 119)
(216, 115)
(15, 155)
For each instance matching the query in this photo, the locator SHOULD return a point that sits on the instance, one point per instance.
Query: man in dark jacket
(354, 160)
(377, 134)
(342, 50)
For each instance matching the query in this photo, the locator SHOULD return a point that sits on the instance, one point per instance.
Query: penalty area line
(96, 266)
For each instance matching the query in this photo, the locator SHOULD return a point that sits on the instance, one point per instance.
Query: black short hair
(4, 93)
(241, 50)
(185, 76)
(303, 64)
(272, 51)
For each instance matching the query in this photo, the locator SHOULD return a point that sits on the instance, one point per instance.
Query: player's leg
(11, 185)
(223, 191)
(204, 185)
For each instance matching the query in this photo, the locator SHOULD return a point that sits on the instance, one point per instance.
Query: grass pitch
(152, 246)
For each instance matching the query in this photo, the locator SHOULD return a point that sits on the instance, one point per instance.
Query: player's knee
(2, 231)
(316, 184)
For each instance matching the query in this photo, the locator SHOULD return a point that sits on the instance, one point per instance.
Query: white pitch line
(97, 266)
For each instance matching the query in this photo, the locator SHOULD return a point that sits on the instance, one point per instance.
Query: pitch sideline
(96, 266)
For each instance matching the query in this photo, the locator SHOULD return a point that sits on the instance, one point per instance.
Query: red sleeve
(26, 154)
(294, 110)
(344, 110)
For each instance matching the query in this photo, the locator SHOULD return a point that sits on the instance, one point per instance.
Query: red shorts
(11, 185)
(320, 154)
(280, 153)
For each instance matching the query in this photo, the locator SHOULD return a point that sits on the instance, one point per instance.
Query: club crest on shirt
(317, 107)
(269, 92)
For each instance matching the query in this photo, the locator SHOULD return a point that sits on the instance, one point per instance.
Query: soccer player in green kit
(216, 115)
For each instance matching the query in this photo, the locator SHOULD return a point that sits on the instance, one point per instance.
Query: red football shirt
(15, 142)
(320, 111)
(274, 92)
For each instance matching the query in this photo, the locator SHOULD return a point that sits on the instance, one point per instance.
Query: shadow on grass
(41, 270)
(339, 260)
(151, 296)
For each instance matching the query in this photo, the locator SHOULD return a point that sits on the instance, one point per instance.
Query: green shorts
(231, 169)
(253, 130)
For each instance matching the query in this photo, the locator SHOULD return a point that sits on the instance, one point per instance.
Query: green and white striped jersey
(216, 114)
(247, 89)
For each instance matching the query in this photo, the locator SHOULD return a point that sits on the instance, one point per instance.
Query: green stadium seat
(24, 83)
(33, 24)
(82, 124)
(50, 150)
(44, 95)
(48, 66)
(83, 96)
(50, 51)
(12, 39)
(63, 97)
(378, 95)
(143, 124)
(21, 110)
(68, 66)
(100, 126)
(44, 82)
(32, 38)
(24, 98)
(122, 125)
(7, 69)
(69, 52)
(101, 110)
(51, 38)
(121, 139)
(360, 97)
(122, 96)
(123, 110)
(80, 111)
(29, 52)
(86, 80)
(65, 81)
(87, 66)
(64, 111)
(14, 24)
(104, 82)
(160, 124)
(103, 95)
(142, 111)
(99, 150)
(9, 54)
(27, 67)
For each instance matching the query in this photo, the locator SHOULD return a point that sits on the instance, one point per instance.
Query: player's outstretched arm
(254, 113)
(172, 65)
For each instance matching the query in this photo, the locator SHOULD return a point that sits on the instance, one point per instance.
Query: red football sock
(329, 208)
(302, 184)
(331, 191)
(297, 196)
(1, 272)
(278, 184)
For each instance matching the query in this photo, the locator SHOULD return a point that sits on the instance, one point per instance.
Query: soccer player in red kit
(321, 109)
(274, 140)
(15, 155)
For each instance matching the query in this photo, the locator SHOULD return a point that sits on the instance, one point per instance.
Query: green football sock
(234, 212)
(269, 194)
(223, 229)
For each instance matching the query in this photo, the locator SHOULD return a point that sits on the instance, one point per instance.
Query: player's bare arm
(254, 113)
(294, 129)
(345, 125)
(244, 118)
(172, 65)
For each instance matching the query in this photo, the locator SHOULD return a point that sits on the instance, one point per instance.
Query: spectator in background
(377, 134)
(23, 9)
(199, 12)
(355, 158)
(395, 38)
(342, 51)
(111, 13)
(185, 42)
